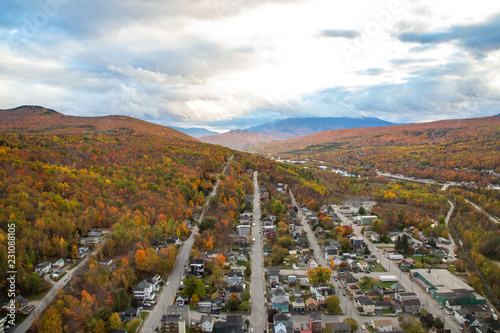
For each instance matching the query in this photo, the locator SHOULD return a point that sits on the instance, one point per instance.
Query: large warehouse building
(446, 286)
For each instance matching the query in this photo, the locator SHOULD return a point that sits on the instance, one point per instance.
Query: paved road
(492, 218)
(258, 316)
(429, 303)
(167, 295)
(345, 303)
(42, 305)
(313, 242)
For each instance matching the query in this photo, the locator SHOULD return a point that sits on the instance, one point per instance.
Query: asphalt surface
(428, 302)
(167, 295)
(258, 316)
(346, 305)
(44, 302)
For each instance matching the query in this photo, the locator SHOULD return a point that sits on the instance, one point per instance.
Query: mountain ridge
(238, 139)
(195, 132)
(37, 119)
(298, 127)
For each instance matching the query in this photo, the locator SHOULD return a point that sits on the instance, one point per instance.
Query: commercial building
(445, 286)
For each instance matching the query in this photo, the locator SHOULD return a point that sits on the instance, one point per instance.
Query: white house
(144, 291)
(460, 316)
(375, 237)
(243, 230)
(58, 264)
(95, 233)
(43, 267)
(312, 263)
(280, 328)
(234, 278)
(207, 323)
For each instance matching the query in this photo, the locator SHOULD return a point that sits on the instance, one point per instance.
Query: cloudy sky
(224, 64)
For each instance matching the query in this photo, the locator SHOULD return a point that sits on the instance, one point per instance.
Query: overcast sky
(224, 64)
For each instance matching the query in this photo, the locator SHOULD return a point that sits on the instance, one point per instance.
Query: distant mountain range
(195, 132)
(443, 131)
(287, 129)
(298, 127)
(238, 139)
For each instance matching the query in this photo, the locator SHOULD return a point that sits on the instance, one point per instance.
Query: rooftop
(442, 280)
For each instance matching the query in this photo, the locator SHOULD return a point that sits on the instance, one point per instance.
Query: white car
(363, 327)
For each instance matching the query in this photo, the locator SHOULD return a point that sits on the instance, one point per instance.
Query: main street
(258, 316)
(167, 295)
(428, 302)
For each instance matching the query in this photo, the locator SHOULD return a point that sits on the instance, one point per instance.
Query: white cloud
(205, 63)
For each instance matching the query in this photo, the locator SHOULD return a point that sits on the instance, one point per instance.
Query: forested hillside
(453, 150)
(141, 183)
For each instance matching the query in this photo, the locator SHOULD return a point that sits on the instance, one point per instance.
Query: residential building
(411, 305)
(382, 305)
(312, 262)
(172, 324)
(331, 252)
(205, 306)
(479, 310)
(107, 264)
(384, 325)
(280, 301)
(43, 267)
(273, 274)
(401, 296)
(341, 328)
(233, 324)
(95, 233)
(298, 305)
(130, 314)
(197, 267)
(90, 240)
(181, 300)
(144, 291)
(286, 320)
(281, 328)
(234, 278)
(207, 323)
(182, 311)
(315, 322)
(243, 230)
(311, 305)
(58, 264)
(375, 237)
(366, 303)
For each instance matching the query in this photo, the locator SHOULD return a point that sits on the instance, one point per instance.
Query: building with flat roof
(445, 286)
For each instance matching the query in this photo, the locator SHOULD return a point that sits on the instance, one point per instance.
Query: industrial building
(445, 286)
